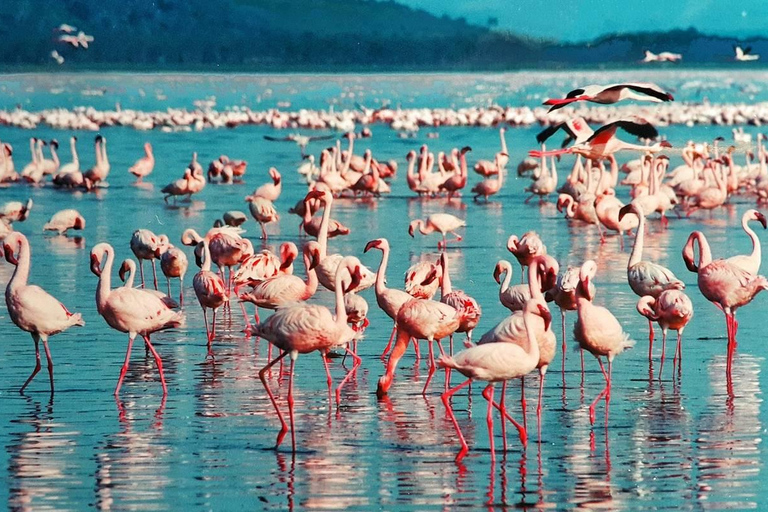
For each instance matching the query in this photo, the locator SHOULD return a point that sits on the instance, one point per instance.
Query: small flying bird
(66, 28)
(608, 94)
(57, 57)
(301, 140)
(744, 55)
(661, 57)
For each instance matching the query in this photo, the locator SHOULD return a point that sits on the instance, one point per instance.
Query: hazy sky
(575, 20)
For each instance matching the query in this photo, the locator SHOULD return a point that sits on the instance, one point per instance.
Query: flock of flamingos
(522, 342)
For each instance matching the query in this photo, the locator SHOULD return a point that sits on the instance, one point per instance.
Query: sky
(580, 20)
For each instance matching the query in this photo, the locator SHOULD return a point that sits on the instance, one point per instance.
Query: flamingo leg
(678, 360)
(522, 432)
(213, 325)
(356, 364)
(503, 411)
(263, 231)
(605, 393)
(262, 373)
(181, 292)
(329, 380)
(291, 402)
(651, 335)
(154, 272)
(49, 358)
(36, 338)
(417, 349)
(562, 319)
(489, 419)
(168, 281)
(248, 325)
(446, 402)
(663, 349)
(158, 362)
(207, 330)
(523, 403)
(125, 364)
(389, 344)
(432, 367)
(141, 271)
(401, 343)
(542, 373)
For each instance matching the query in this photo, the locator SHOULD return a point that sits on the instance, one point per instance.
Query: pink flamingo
(390, 300)
(511, 297)
(270, 191)
(263, 265)
(144, 165)
(723, 283)
(422, 279)
(491, 167)
(564, 295)
(608, 94)
(442, 223)
(598, 332)
(311, 225)
(468, 308)
(263, 211)
(645, 277)
(283, 289)
(145, 245)
(173, 263)
(526, 249)
(210, 291)
(672, 310)
(493, 363)
(30, 307)
(65, 220)
(489, 187)
(130, 310)
(304, 328)
(751, 262)
(458, 181)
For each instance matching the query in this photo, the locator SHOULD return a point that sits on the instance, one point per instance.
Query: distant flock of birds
(518, 344)
(71, 36)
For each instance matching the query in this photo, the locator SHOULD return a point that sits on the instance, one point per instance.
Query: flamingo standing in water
(564, 295)
(672, 310)
(144, 165)
(390, 300)
(30, 307)
(263, 211)
(210, 291)
(496, 362)
(491, 167)
(723, 283)
(526, 249)
(442, 223)
(511, 297)
(489, 187)
(598, 332)
(145, 246)
(645, 277)
(304, 328)
(130, 310)
(468, 308)
(173, 263)
(64, 220)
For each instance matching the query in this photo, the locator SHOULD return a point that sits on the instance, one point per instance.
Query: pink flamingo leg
(562, 319)
(651, 335)
(50, 360)
(542, 373)
(663, 349)
(489, 419)
(290, 405)
(262, 373)
(213, 325)
(36, 338)
(181, 292)
(677, 362)
(523, 403)
(168, 282)
(417, 349)
(125, 364)
(503, 411)
(154, 273)
(522, 433)
(389, 344)
(356, 364)
(446, 402)
(141, 271)
(432, 367)
(600, 395)
(327, 374)
(248, 327)
(158, 362)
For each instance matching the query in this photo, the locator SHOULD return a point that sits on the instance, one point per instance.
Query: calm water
(675, 444)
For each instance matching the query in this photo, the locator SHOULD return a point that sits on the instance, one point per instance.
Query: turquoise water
(685, 444)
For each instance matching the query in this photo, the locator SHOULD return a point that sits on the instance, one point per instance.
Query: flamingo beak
(314, 260)
(373, 244)
(95, 265)
(357, 276)
(410, 231)
(624, 210)
(430, 278)
(122, 272)
(79, 223)
(9, 256)
(546, 316)
(497, 274)
(761, 218)
(158, 252)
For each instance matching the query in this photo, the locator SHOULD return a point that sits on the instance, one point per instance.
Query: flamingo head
(378, 243)
(587, 272)
(688, 254)
(546, 315)
(8, 249)
(190, 237)
(54, 143)
(356, 276)
(500, 269)
(218, 223)
(549, 268)
(97, 253)
(562, 201)
(288, 254)
(513, 244)
(645, 306)
(99, 138)
(312, 253)
(758, 216)
(412, 227)
(411, 155)
(630, 208)
(431, 276)
(275, 175)
(124, 269)
(316, 194)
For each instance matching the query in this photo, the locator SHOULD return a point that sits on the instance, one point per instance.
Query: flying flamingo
(283, 289)
(496, 362)
(598, 332)
(30, 307)
(468, 308)
(145, 244)
(442, 223)
(645, 277)
(130, 310)
(210, 291)
(607, 94)
(526, 248)
(672, 310)
(390, 300)
(144, 165)
(723, 283)
(173, 263)
(304, 328)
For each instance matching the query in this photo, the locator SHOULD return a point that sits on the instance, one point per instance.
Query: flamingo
(607, 208)
(178, 187)
(173, 263)
(598, 332)
(263, 211)
(15, 211)
(608, 94)
(270, 191)
(493, 363)
(390, 300)
(50, 166)
(489, 187)
(511, 297)
(145, 245)
(99, 171)
(500, 161)
(144, 165)
(282, 289)
(65, 220)
(442, 223)
(127, 274)
(210, 291)
(458, 181)
(467, 307)
(672, 310)
(526, 248)
(750, 263)
(564, 295)
(129, 310)
(645, 277)
(263, 265)
(744, 54)
(304, 328)
(724, 283)
(311, 225)
(30, 307)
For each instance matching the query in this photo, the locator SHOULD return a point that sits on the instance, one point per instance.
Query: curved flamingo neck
(131, 273)
(341, 311)
(381, 273)
(73, 147)
(532, 345)
(705, 253)
(503, 142)
(311, 281)
(105, 280)
(54, 155)
(756, 256)
(104, 159)
(21, 273)
(507, 277)
(206, 267)
(424, 228)
(637, 248)
(534, 281)
(32, 149)
(97, 150)
(463, 164)
(445, 282)
(322, 235)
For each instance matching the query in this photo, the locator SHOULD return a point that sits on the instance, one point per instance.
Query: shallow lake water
(689, 443)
